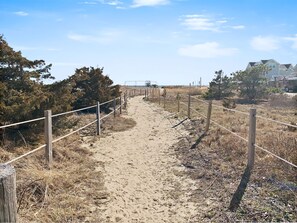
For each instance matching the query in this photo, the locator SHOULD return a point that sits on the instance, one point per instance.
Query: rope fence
(209, 120)
(47, 131)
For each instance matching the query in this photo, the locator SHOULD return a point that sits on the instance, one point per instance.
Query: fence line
(60, 138)
(278, 122)
(26, 154)
(24, 122)
(246, 140)
(69, 112)
(246, 113)
(204, 116)
(75, 131)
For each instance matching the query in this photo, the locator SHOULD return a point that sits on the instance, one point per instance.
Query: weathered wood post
(114, 107)
(237, 196)
(144, 93)
(178, 102)
(159, 96)
(48, 138)
(189, 106)
(208, 115)
(98, 129)
(252, 138)
(121, 104)
(164, 101)
(8, 201)
(125, 100)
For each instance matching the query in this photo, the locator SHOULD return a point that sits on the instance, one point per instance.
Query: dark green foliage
(251, 83)
(220, 87)
(91, 85)
(22, 94)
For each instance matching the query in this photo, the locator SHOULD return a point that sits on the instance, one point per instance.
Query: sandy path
(141, 173)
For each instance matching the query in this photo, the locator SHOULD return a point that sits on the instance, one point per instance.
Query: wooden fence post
(208, 115)
(159, 96)
(121, 104)
(8, 201)
(114, 107)
(189, 106)
(252, 138)
(178, 102)
(164, 101)
(98, 132)
(125, 100)
(48, 138)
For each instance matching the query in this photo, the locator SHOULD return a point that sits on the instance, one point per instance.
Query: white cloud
(106, 2)
(238, 27)
(265, 43)
(293, 39)
(207, 23)
(200, 22)
(21, 13)
(206, 50)
(141, 3)
(104, 37)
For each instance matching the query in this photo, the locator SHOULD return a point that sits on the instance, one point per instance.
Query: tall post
(208, 115)
(125, 100)
(8, 200)
(178, 102)
(98, 132)
(252, 138)
(48, 138)
(121, 104)
(189, 106)
(159, 96)
(114, 107)
(164, 101)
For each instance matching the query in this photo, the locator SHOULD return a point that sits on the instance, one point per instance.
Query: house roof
(253, 63)
(264, 61)
(287, 65)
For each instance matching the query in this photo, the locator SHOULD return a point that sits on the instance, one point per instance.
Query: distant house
(275, 69)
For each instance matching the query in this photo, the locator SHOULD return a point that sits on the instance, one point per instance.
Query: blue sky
(167, 41)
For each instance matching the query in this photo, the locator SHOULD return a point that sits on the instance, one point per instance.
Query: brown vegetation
(218, 159)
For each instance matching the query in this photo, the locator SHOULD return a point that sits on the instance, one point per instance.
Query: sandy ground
(141, 172)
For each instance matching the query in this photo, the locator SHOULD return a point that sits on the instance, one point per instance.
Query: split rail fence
(8, 201)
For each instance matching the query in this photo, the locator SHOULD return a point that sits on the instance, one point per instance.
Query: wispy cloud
(105, 2)
(265, 43)
(21, 13)
(292, 39)
(238, 27)
(206, 50)
(207, 23)
(141, 3)
(200, 22)
(103, 37)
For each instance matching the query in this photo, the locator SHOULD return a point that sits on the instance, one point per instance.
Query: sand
(141, 172)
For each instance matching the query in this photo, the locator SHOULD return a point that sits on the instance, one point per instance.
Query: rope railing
(20, 123)
(237, 135)
(69, 112)
(26, 154)
(229, 109)
(278, 122)
(204, 116)
(276, 156)
(62, 137)
(75, 131)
